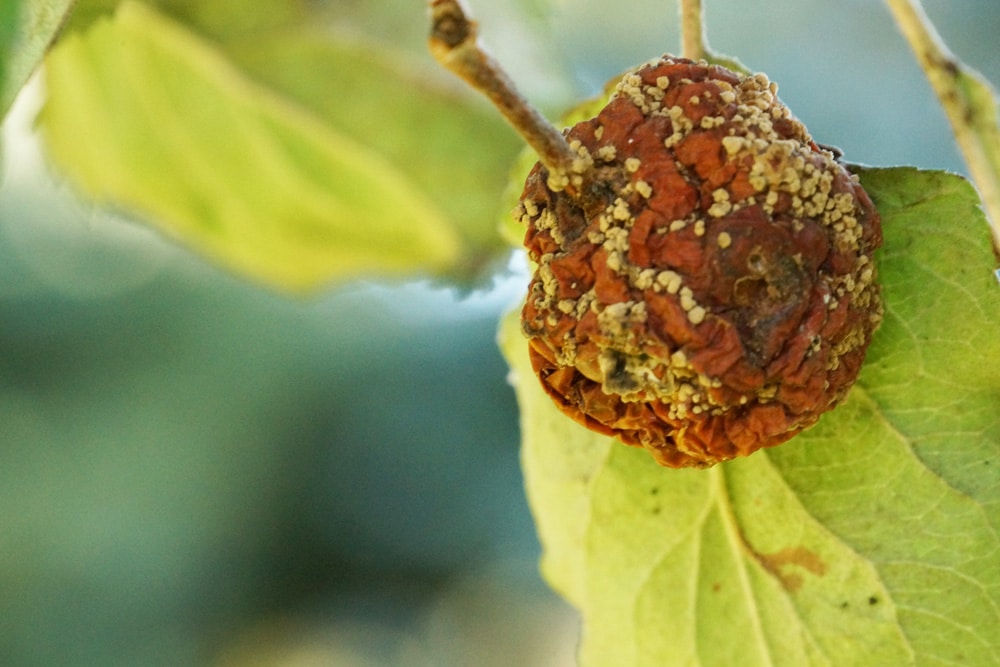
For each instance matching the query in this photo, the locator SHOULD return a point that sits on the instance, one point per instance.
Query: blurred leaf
(402, 104)
(27, 27)
(218, 19)
(455, 150)
(143, 114)
(871, 539)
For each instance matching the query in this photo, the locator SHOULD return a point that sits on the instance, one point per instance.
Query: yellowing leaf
(453, 147)
(144, 115)
(27, 27)
(872, 539)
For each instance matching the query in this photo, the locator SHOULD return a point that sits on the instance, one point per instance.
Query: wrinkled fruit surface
(704, 282)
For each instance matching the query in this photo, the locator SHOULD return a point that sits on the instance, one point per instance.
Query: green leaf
(27, 27)
(871, 539)
(977, 130)
(145, 115)
(967, 99)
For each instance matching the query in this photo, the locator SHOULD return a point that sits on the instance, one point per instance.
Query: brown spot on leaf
(789, 565)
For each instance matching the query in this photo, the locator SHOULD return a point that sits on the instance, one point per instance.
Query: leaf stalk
(694, 44)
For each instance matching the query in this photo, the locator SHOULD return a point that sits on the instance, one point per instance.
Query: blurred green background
(199, 471)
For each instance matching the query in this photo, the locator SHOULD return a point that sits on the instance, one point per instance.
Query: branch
(968, 102)
(454, 43)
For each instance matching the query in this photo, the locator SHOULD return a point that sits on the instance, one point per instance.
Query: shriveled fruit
(704, 283)
(708, 289)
